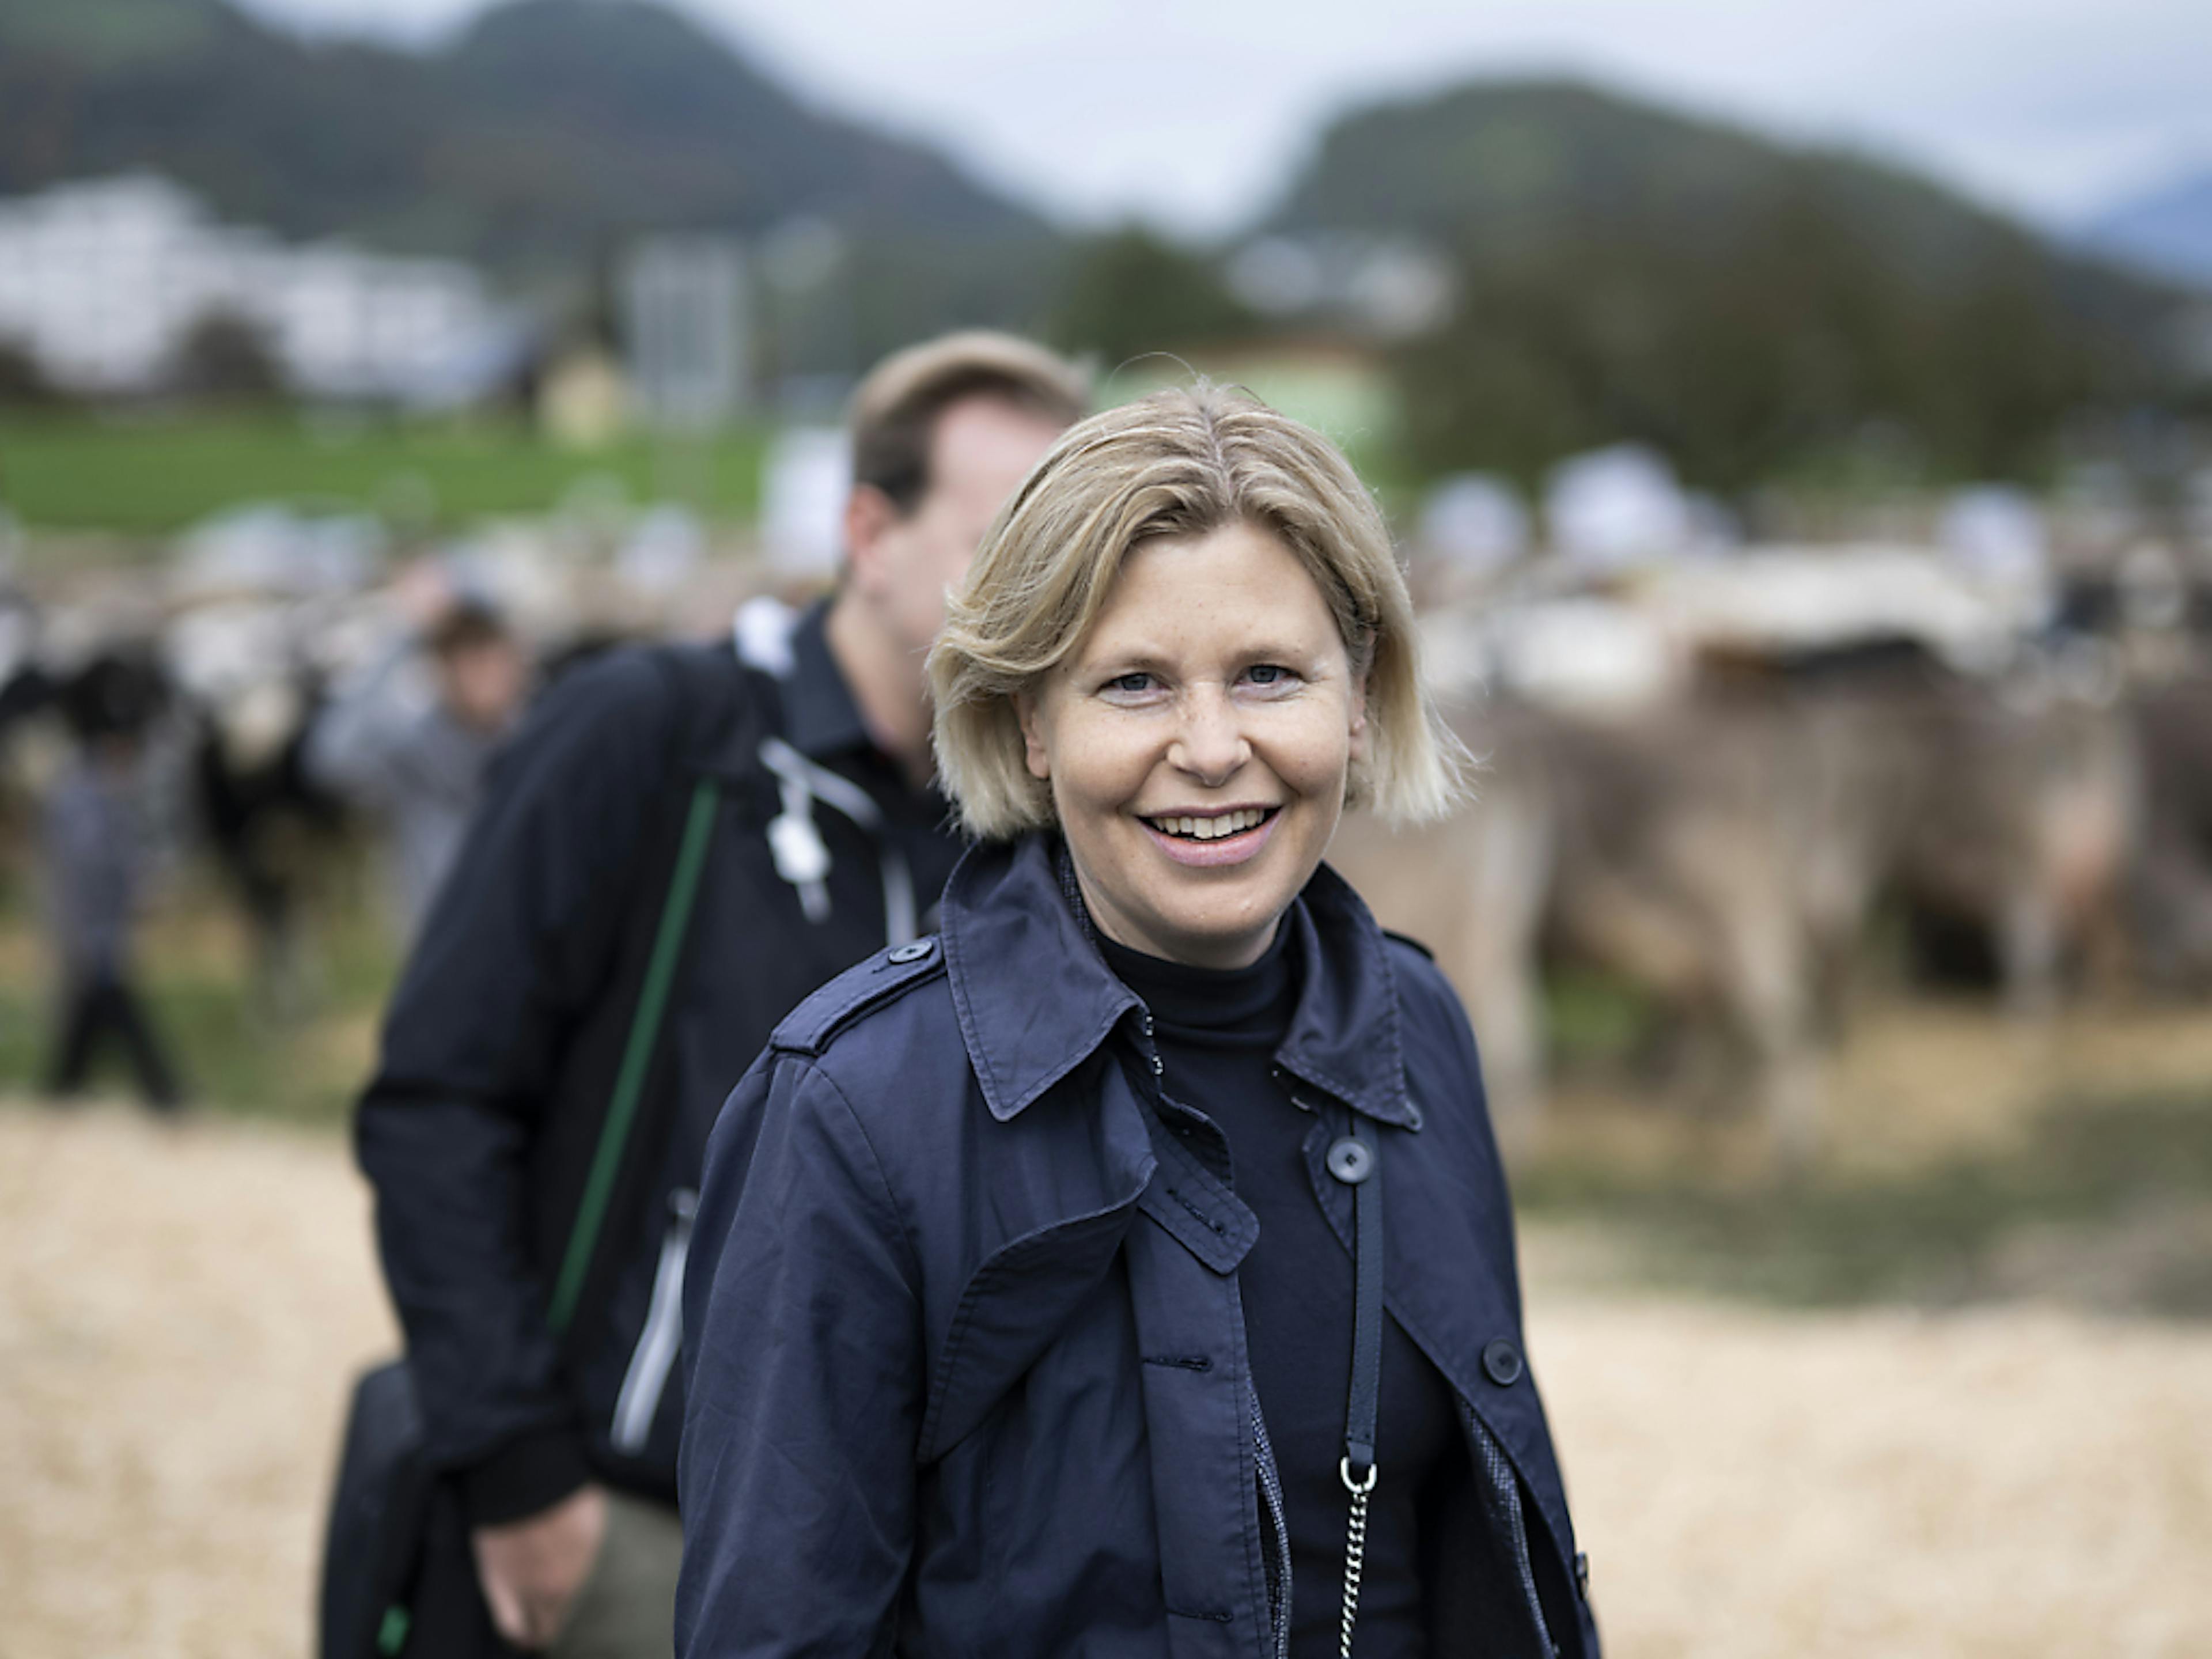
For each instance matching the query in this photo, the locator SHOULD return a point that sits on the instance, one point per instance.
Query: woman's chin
(1214, 936)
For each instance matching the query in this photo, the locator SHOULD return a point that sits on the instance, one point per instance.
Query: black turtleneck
(1218, 1030)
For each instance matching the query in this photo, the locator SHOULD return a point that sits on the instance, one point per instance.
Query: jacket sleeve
(803, 1382)
(519, 942)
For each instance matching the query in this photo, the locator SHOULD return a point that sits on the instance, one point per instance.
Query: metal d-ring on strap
(1357, 1163)
(803, 859)
(762, 634)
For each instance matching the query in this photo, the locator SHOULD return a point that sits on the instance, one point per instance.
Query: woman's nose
(1211, 746)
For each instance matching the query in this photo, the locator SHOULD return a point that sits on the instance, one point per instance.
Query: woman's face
(1197, 745)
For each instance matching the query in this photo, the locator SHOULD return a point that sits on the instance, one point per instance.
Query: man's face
(483, 683)
(981, 449)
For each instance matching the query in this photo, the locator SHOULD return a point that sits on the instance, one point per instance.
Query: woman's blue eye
(1267, 673)
(1130, 682)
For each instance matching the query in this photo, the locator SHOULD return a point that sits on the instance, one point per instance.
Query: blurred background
(1797, 424)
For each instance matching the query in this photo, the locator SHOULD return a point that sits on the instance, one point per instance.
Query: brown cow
(1658, 845)
(1723, 852)
(2172, 882)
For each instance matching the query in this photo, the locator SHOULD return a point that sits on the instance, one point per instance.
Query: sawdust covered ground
(2004, 1482)
(180, 1308)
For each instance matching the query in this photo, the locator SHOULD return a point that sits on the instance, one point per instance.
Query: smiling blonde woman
(1179, 463)
(1044, 1298)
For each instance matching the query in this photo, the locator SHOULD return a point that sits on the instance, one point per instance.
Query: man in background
(682, 842)
(417, 763)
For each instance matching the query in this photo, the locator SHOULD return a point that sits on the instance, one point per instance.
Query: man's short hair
(895, 410)
(468, 623)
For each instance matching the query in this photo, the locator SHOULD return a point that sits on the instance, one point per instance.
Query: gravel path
(181, 1309)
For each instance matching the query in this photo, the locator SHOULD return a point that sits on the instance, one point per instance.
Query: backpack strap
(638, 1051)
(726, 709)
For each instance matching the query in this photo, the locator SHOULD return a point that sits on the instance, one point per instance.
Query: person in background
(418, 763)
(99, 856)
(679, 844)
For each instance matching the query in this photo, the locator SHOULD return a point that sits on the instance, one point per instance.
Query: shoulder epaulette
(1408, 939)
(807, 1029)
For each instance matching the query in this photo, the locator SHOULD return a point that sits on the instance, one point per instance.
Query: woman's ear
(1035, 754)
(1359, 716)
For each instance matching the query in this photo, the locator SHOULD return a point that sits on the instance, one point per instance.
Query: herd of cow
(2028, 805)
(2036, 817)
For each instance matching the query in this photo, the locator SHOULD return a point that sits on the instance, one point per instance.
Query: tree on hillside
(225, 360)
(23, 384)
(1130, 292)
(1755, 347)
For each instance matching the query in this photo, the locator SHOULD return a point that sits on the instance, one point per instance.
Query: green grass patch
(153, 476)
(1596, 1020)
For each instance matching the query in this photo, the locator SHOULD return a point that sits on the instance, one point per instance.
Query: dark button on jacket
(1503, 1361)
(967, 1372)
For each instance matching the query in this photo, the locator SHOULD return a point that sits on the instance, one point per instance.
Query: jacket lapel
(1054, 1191)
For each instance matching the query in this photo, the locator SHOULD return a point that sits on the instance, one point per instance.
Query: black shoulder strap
(725, 715)
(637, 1053)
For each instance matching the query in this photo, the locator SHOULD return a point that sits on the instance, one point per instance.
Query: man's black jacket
(503, 1038)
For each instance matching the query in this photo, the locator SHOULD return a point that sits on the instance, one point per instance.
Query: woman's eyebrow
(1281, 651)
(1150, 659)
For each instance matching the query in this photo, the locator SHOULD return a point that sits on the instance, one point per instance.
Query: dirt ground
(180, 1308)
(1917, 1082)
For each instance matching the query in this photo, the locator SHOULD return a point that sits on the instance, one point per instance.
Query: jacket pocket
(1275, 1537)
(1506, 1514)
(657, 1343)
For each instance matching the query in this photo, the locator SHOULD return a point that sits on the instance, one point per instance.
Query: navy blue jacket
(965, 1359)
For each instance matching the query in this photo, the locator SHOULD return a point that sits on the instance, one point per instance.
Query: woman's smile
(1210, 839)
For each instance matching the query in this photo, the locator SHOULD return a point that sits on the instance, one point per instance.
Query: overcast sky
(1192, 113)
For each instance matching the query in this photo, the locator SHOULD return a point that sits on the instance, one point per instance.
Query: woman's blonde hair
(1177, 463)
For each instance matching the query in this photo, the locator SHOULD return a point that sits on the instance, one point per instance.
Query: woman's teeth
(1213, 828)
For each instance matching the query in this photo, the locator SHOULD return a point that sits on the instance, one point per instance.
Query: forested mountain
(1749, 307)
(544, 130)
(1518, 162)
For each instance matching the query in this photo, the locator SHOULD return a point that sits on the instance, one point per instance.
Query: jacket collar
(1035, 1000)
(821, 717)
(1345, 1036)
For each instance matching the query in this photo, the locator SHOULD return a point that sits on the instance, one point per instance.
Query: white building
(1385, 287)
(685, 311)
(103, 282)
